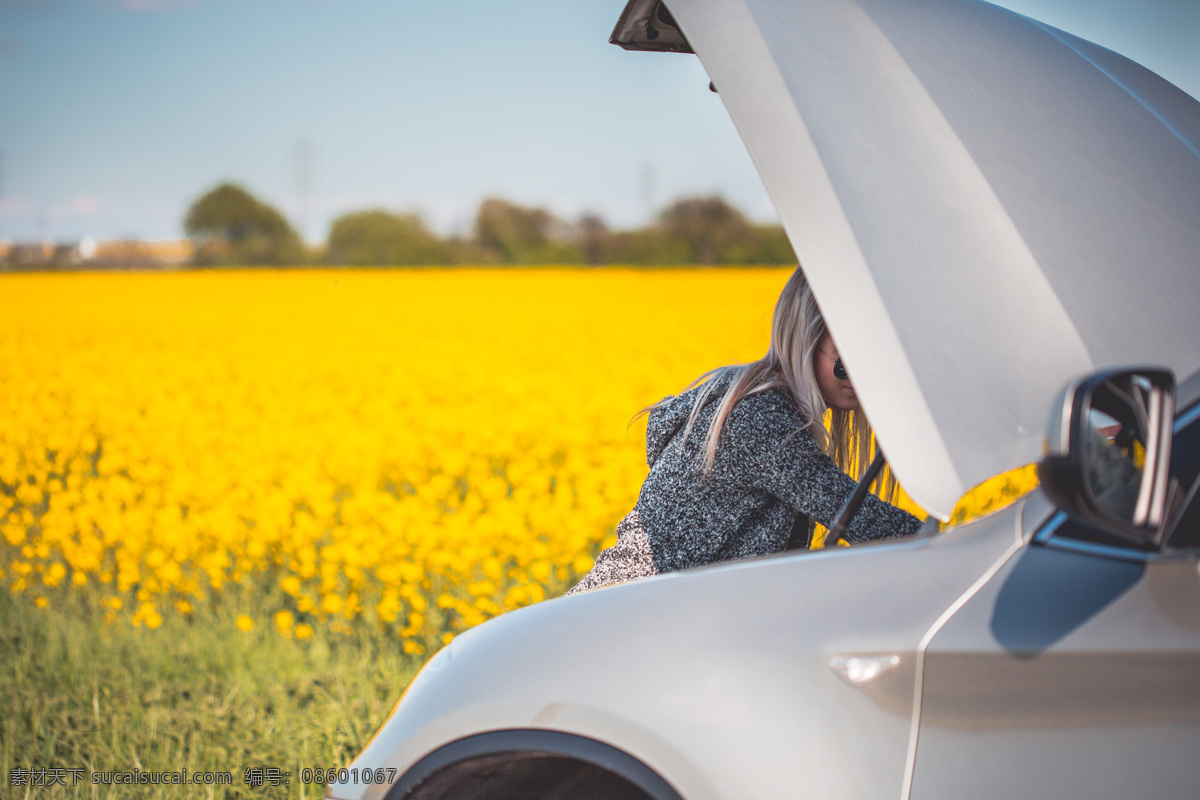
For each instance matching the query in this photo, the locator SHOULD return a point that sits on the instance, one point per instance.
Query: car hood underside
(985, 206)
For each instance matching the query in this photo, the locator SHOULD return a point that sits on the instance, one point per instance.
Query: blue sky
(116, 114)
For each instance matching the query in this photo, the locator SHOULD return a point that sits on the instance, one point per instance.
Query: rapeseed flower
(415, 451)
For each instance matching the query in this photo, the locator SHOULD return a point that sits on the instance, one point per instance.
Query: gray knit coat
(767, 477)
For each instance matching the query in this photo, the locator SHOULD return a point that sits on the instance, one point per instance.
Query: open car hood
(985, 206)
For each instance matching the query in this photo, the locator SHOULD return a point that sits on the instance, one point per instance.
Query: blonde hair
(796, 330)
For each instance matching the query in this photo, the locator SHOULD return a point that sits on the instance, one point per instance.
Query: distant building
(136, 253)
(31, 254)
(91, 254)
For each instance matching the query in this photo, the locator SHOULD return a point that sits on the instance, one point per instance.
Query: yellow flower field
(414, 450)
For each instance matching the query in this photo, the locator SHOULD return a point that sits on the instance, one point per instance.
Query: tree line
(228, 225)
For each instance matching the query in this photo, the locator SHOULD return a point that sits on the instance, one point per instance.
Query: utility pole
(303, 184)
(647, 187)
(47, 247)
(6, 251)
(2, 176)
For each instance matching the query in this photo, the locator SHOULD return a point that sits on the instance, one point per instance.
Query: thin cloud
(9, 46)
(13, 205)
(149, 6)
(80, 205)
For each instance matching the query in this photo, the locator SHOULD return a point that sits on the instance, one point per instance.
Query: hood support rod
(856, 498)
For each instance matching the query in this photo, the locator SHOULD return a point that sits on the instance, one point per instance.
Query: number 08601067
(312, 775)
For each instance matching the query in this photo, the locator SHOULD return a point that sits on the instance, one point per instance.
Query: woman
(740, 462)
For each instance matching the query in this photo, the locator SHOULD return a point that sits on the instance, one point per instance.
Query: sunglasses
(839, 371)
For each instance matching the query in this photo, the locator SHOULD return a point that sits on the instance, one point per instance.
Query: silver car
(989, 210)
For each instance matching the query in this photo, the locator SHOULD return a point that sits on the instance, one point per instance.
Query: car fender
(718, 679)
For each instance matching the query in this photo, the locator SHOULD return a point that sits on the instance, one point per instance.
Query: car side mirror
(1108, 451)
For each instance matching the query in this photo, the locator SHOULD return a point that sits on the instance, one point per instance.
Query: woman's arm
(811, 483)
(767, 453)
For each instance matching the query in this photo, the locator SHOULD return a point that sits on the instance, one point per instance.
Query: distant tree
(378, 237)
(647, 247)
(768, 244)
(709, 227)
(229, 225)
(466, 250)
(520, 235)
